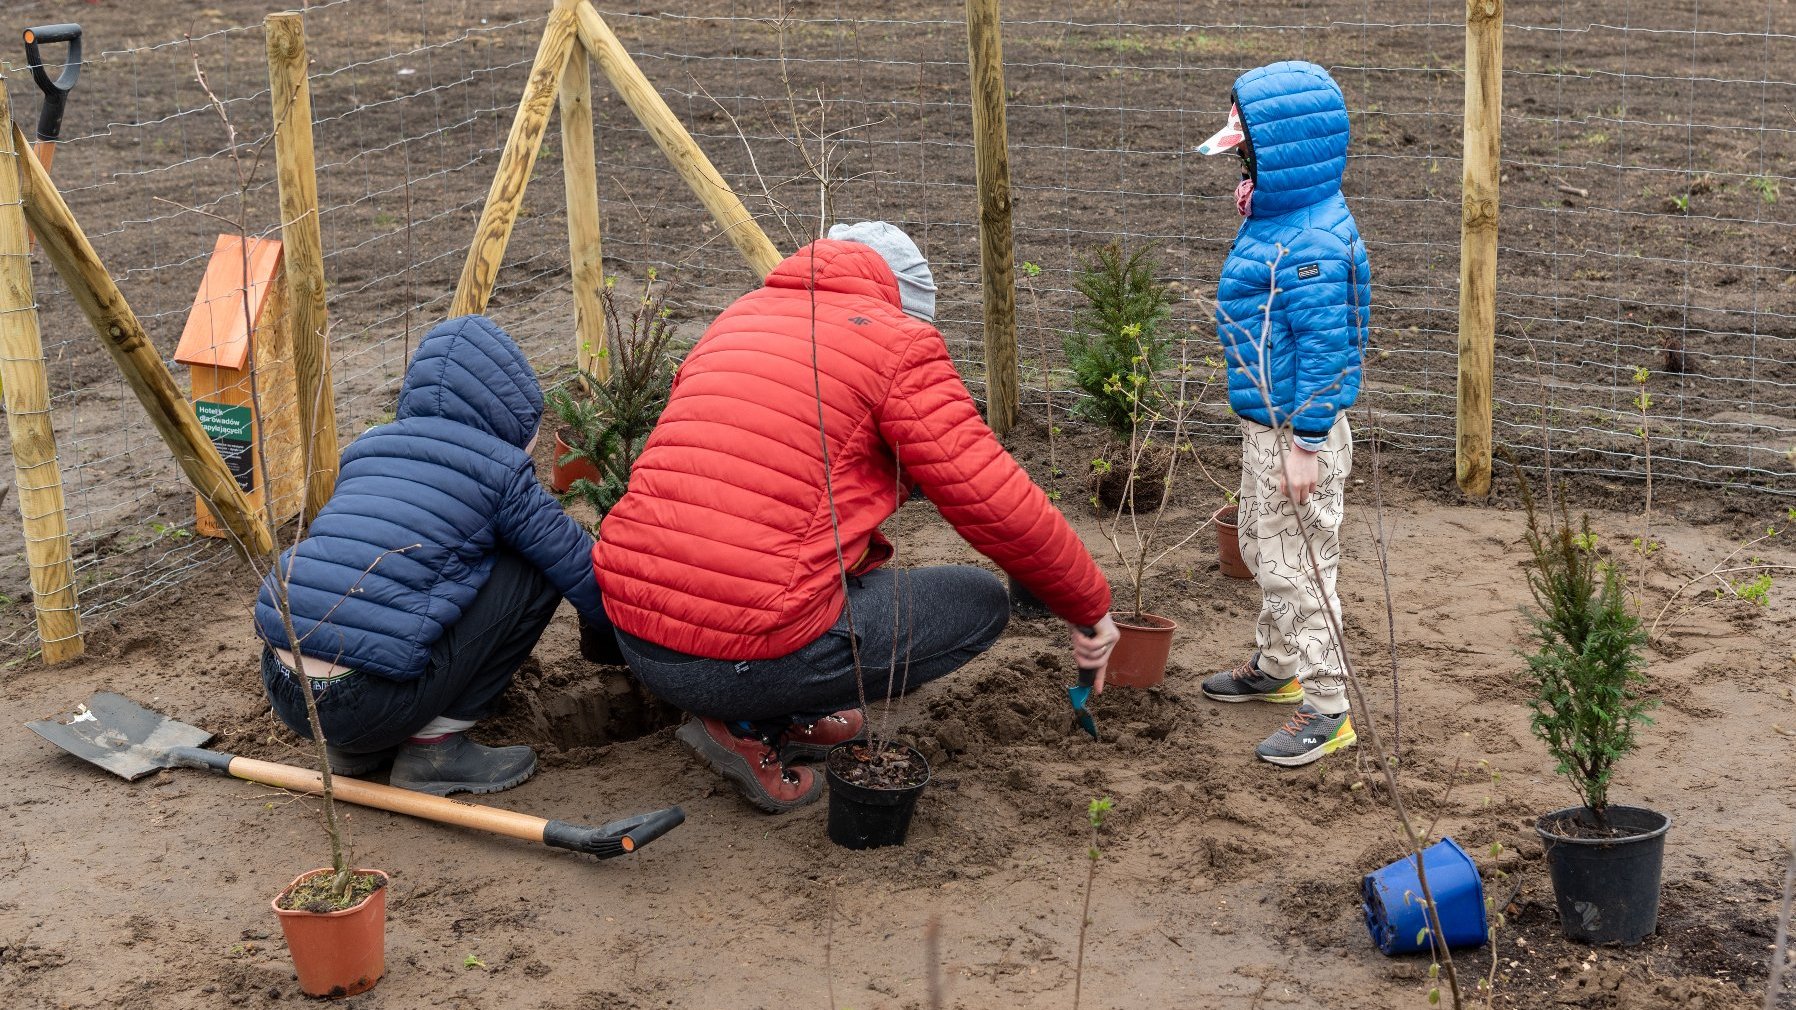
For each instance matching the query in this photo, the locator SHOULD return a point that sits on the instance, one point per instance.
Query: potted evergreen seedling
(600, 432)
(1586, 673)
(1117, 347)
(601, 425)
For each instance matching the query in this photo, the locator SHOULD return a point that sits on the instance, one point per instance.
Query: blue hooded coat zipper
(1299, 249)
(421, 505)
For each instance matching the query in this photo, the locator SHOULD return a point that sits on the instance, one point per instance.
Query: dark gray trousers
(469, 668)
(910, 626)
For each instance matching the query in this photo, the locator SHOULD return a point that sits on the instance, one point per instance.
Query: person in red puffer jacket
(743, 566)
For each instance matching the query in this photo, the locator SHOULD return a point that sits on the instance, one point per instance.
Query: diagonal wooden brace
(124, 338)
(506, 196)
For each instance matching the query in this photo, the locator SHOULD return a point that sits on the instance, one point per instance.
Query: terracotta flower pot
(563, 475)
(341, 953)
(1228, 543)
(1139, 659)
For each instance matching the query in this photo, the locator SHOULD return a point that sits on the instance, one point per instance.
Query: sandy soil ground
(1224, 882)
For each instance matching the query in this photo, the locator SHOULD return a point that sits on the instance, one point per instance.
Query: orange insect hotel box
(236, 333)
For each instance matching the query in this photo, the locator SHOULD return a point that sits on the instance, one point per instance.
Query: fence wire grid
(1647, 226)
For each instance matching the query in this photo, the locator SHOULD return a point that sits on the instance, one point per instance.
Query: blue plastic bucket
(1395, 915)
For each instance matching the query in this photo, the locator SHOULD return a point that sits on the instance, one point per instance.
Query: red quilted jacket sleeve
(932, 424)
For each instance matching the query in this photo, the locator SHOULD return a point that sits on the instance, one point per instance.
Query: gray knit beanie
(916, 285)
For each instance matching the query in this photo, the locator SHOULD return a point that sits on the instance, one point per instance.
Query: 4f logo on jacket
(1309, 270)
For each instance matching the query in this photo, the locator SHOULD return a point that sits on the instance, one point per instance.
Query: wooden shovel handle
(607, 841)
(400, 801)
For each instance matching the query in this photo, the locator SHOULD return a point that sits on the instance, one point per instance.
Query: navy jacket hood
(469, 371)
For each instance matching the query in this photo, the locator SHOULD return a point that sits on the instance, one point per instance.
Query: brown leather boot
(753, 765)
(811, 741)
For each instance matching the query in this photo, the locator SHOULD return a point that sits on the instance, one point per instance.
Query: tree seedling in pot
(1586, 674)
(601, 432)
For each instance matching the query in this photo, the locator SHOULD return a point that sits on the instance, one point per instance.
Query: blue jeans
(469, 668)
(910, 626)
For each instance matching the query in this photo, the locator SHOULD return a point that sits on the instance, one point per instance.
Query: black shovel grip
(618, 838)
(56, 90)
(200, 757)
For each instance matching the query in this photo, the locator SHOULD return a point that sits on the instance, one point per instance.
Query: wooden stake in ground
(304, 253)
(27, 394)
(507, 193)
(1478, 242)
(124, 338)
(679, 147)
(579, 165)
(991, 159)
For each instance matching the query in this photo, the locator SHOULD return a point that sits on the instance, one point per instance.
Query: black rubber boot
(357, 765)
(456, 764)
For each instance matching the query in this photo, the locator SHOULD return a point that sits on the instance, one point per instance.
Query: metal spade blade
(120, 735)
(1079, 695)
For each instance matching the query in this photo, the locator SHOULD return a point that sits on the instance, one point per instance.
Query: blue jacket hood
(469, 371)
(1296, 124)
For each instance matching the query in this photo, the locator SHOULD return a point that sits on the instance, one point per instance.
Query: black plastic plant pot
(1607, 887)
(1024, 603)
(869, 817)
(599, 645)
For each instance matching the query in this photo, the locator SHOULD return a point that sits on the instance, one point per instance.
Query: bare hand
(1094, 649)
(1297, 480)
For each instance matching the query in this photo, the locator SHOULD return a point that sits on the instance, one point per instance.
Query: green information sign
(232, 430)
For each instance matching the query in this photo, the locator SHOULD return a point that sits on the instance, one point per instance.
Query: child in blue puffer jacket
(1292, 313)
(427, 578)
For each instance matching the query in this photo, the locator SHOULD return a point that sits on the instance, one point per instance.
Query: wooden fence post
(681, 150)
(513, 174)
(997, 256)
(124, 338)
(304, 253)
(28, 422)
(579, 165)
(1478, 242)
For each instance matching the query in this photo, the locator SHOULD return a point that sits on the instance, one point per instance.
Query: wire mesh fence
(1647, 225)
(410, 113)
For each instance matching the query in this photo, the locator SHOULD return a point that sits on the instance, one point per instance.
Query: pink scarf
(1244, 197)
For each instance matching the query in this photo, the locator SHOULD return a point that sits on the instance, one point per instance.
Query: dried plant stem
(829, 945)
(1415, 839)
(278, 578)
(1780, 948)
(1383, 548)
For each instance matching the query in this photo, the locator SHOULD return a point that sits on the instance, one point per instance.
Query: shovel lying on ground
(1080, 694)
(131, 741)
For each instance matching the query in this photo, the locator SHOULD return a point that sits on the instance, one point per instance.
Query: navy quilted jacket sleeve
(534, 525)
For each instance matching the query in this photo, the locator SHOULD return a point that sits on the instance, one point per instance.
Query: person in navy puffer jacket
(428, 577)
(1292, 314)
